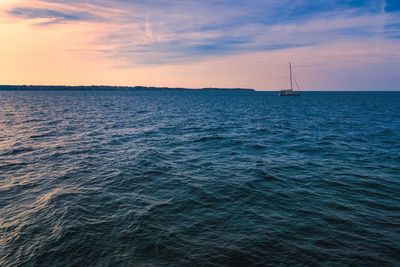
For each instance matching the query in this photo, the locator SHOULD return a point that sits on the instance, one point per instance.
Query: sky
(332, 44)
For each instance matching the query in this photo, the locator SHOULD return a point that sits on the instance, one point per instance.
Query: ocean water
(199, 179)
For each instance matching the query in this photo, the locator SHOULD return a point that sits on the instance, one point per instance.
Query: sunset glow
(335, 45)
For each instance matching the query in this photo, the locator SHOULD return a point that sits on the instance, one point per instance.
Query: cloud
(52, 16)
(173, 43)
(179, 30)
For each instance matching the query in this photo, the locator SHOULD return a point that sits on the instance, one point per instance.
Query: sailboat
(290, 92)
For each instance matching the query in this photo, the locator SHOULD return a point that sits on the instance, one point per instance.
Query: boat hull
(289, 93)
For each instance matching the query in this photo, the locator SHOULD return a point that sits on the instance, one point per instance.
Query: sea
(199, 178)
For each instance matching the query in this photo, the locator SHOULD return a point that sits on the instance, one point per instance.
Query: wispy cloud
(179, 30)
(52, 16)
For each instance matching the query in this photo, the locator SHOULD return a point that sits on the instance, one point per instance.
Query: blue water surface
(199, 179)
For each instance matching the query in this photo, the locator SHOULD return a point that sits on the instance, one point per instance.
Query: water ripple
(199, 179)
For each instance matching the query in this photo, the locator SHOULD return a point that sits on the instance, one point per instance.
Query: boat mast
(291, 78)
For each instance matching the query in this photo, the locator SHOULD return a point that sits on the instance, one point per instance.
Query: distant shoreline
(110, 88)
(105, 88)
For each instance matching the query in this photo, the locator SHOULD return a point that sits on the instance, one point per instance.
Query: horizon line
(20, 87)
